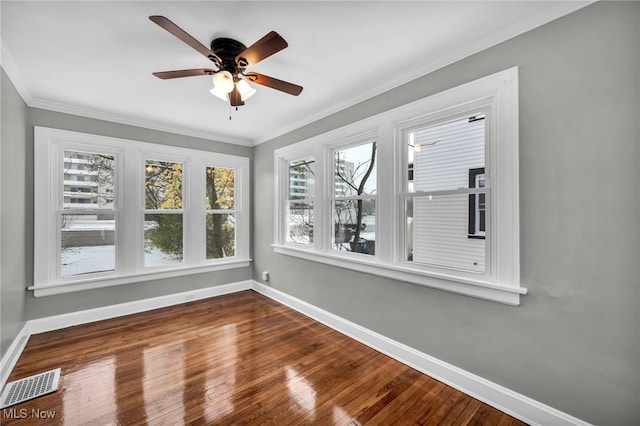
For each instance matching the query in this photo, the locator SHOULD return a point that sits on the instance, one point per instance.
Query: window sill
(469, 287)
(114, 280)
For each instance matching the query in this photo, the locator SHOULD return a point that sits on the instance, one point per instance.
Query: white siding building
(451, 157)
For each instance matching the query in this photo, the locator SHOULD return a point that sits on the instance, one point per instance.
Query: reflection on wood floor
(234, 359)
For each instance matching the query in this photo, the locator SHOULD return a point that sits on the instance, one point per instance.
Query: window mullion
(241, 204)
(129, 235)
(194, 214)
(319, 202)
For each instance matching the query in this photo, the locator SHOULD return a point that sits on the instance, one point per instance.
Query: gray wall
(574, 343)
(13, 223)
(19, 305)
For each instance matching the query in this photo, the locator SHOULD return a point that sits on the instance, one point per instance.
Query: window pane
(301, 179)
(221, 236)
(355, 171)
(440, 156)
(437, 233)
(163, 239)
(477, 204)
(220, 186)
(89, 180)
(300, 222)
(355, 226)
(163, 185)
(87, 244)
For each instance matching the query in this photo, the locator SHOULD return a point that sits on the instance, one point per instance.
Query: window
(110, 211)
(477, 205)
(163, 213)
(426, 193)
(87, 218)
(221, 212)
(438, 210)
(299, 203)
(354, 198)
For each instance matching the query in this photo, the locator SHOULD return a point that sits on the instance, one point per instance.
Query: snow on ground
(85, 260)
(90, 225)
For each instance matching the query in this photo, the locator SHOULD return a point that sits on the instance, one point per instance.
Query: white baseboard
(506, 400)
(13, 353)
(517, 405)
(56, 322)
(42, 325)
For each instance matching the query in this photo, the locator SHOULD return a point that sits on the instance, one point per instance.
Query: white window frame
(497, 94)
(289, 200)
(234, 211)
(330, 197)
(148, 155)
(129, 207)
(437, 118)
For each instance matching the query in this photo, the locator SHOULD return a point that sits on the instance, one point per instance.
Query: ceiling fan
(231, 58)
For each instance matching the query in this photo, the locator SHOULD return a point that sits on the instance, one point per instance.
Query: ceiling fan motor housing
(227, 49)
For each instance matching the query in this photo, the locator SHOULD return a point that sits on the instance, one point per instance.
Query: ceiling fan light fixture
(223, 81)
(246, 91)
(219, 93)
(230, 58)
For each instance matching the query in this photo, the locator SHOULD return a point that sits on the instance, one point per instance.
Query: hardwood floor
(234, 359)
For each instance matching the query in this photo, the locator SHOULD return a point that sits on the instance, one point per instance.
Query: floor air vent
(29, 388)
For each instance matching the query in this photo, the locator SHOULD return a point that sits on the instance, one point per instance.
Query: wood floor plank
(231, 360)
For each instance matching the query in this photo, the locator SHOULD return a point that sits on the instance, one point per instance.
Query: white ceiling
(96, 58)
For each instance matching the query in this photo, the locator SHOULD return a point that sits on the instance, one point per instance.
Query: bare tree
(362, 172)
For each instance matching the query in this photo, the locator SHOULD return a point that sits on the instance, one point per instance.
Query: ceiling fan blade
(261, 49)
(235, 98)
(182, 35)
(184, 73)
(274, 83)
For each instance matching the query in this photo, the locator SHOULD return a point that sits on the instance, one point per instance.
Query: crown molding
(134, 121)
(14, 74)
(501, 35)
(505, 33)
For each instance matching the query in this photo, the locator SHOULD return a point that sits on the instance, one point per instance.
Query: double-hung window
(110, 211)
(442, 202)
(87, 210)
(353, 199)
(221, 212)
(163, 213)
(426, 193)
(299, 201)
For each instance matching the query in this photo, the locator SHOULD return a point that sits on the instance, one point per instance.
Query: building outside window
(425, 193)
(477, 205)
(300, 201)
(438, 212)
(166, 211)
(87, 222)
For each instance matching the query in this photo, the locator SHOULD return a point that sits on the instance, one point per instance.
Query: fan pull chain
(230, 111)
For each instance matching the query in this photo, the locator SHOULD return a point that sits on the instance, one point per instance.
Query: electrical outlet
(265, 276)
